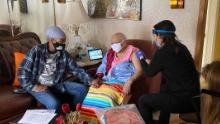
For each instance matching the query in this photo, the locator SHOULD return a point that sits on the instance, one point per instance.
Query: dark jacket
(177, 67)
(33, 64)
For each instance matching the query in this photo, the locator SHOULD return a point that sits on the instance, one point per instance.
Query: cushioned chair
(13, 105)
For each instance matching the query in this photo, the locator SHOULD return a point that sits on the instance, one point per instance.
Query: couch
(12, 106)
(6, 30)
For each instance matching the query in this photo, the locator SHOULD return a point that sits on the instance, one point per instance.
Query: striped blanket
(103, 97)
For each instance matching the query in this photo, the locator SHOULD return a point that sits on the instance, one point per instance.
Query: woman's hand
(96, 83)
(127, 87)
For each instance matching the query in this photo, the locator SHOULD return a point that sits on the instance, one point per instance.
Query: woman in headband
(180, 80)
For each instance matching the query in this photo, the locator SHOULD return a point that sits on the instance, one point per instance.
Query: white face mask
(116, 47)
(157, 43)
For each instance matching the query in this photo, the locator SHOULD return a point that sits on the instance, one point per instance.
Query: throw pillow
(18, 59)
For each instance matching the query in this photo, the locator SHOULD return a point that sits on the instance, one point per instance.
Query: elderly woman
(118, 71)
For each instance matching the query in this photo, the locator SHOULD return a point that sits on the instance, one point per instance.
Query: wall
(39, 17)
(153, 11)
(217, 41)
(15, 15)
(4, 18)
(99, 31)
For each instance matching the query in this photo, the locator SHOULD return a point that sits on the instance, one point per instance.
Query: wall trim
(210, 32)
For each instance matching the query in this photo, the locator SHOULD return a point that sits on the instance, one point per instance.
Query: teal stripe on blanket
(97, 101)
(114, 82)
(96, 104)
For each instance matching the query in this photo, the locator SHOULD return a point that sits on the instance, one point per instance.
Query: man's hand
(39, 88)
(140, 55)
(127, 87)
(96, 83)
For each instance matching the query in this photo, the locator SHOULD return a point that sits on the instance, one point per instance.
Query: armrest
(126, 99)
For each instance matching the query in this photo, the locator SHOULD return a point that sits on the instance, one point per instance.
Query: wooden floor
(174, 119)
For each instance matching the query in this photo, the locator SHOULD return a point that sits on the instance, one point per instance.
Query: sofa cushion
(20, 43)
(18, 59)
(12, 104)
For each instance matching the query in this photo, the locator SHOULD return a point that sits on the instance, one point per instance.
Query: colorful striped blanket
(103, 97)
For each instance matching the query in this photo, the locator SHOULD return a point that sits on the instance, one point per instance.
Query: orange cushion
(18, 59)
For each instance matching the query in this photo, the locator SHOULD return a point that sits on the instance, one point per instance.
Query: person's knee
(144, 100)
(75, 88)
(53, 105)
(83, 91)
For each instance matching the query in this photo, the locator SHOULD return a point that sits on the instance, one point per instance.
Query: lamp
(73, 18)
(14, 16)
(75, 15)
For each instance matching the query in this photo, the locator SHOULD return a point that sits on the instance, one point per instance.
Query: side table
(89, 66)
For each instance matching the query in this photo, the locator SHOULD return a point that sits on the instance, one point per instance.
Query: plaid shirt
(33, 64)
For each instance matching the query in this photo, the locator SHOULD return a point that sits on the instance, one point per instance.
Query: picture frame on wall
(114, 9)
(23, 6)
(177, 4)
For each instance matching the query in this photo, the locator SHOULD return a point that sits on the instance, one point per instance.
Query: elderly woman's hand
(96, 83)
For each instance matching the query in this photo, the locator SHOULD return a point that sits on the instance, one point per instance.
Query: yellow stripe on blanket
(103, 97)
(110, 91)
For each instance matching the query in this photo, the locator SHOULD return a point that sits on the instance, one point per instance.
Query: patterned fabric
(46, 78)
(103, 97)
(33, 64)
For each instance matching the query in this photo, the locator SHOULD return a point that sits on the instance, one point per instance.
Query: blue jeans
(77, 90)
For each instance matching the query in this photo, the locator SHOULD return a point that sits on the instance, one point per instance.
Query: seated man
(42, 71)
(119, 69)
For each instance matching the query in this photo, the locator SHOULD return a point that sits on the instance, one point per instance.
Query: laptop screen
(95, 54)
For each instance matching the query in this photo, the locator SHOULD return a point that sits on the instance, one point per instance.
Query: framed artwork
(115, 9)
(23, 6)
(61, 1)
(45, 1)
(177, 4)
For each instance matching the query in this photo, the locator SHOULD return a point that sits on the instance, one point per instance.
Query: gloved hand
(140, 55)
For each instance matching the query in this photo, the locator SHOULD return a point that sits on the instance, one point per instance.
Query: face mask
(157, 43)
(116, 47)
(59, 47)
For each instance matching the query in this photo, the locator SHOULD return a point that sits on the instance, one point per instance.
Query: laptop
(95, 54)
